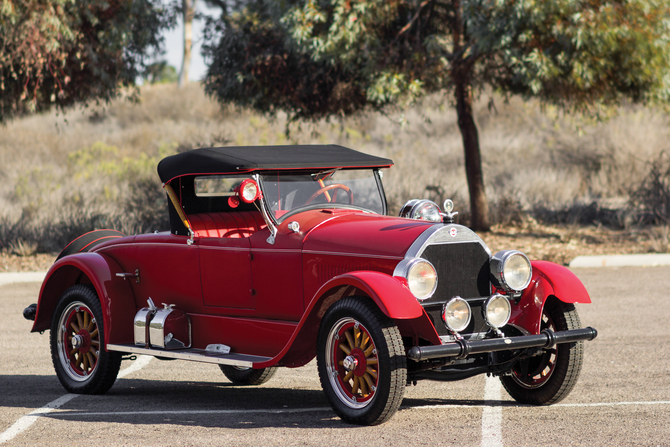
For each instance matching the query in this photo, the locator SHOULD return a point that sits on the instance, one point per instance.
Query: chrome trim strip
(194, 355)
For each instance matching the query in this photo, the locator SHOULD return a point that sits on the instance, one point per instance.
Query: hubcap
(352, 363)
(78, 341)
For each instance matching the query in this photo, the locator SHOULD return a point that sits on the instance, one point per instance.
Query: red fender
(116, 295)
(391, 296)
(548, 279)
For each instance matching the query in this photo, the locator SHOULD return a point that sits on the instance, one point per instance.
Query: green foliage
(316, 58)
(104, 161)
(161, 73)
(56, 53)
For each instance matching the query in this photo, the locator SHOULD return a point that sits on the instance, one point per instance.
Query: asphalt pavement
(622, 397)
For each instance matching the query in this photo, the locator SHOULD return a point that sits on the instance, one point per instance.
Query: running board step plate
(194, 355)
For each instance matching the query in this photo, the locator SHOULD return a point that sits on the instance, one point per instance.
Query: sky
(174, 45)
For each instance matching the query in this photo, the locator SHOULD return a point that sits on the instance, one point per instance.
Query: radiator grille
(462, 270)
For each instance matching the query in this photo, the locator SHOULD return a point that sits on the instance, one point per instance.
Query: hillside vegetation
(96, 167)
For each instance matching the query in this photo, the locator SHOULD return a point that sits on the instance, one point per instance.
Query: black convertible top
(238, 159)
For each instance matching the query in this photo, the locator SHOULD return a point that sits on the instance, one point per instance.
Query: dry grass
(62, 176)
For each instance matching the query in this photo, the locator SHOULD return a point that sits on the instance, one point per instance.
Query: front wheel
(361, 361)
(82, 364)
(247, 376)
(547, 378)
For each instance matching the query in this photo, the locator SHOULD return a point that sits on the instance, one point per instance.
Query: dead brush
(650, 201)
(659, 239)
(22, 248)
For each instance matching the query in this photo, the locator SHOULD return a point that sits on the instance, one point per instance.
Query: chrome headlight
(496, 311)
(511, 270)
(421, 210)
(456, 314)
(421, 277)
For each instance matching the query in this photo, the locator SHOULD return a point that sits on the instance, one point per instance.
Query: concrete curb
(649, 260)
(12, 277)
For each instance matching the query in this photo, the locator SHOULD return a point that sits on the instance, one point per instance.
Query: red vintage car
(277, 255)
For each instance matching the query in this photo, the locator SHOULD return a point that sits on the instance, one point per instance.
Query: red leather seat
(233, 224)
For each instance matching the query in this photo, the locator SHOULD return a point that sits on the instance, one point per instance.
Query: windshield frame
(278, 220)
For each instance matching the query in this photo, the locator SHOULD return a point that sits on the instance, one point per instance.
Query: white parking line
(492, 415)
(26, 421)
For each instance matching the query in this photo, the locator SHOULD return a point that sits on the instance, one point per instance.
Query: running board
(194, 355)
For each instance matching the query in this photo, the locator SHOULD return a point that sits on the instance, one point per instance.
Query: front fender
(548, 279)
(116, 295)
(391, 296)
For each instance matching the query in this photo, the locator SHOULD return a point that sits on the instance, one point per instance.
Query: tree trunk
(189, 11)
(479, 207)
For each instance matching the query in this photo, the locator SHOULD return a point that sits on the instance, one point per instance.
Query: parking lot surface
(622, 397)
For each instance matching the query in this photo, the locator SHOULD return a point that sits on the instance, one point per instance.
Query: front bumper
(460, 349)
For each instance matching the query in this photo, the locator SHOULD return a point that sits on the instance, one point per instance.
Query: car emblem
(453, 232)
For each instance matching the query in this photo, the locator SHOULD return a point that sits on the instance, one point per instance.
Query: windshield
(288, 193)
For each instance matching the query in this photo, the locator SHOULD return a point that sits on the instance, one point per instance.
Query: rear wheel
(247, 376)
(546, 379)
(361, 361)
(78, 352)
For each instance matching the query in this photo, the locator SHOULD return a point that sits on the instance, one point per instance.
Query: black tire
(86, 368)
(548, 378)
(375, 348)
(247, 376)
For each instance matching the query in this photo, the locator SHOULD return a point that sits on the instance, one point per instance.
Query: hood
(365, 234)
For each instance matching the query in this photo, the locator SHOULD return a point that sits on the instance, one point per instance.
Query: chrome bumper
(460, 349)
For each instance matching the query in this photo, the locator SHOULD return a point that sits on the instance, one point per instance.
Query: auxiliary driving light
(456, 314)
(497, 311)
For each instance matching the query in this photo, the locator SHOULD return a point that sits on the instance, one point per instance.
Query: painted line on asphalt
(613, 404)
(492, 414)
(24, 422)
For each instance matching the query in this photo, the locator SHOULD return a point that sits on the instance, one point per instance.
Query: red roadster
(277, 255)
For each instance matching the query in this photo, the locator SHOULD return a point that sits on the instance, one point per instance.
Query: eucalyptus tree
(324, 58)
(56, 53)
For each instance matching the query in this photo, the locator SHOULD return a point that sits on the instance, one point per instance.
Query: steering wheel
(334, 187)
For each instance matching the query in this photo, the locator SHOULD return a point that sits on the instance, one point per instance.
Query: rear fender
(392, 297)
(116, 295)
(548, 279)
